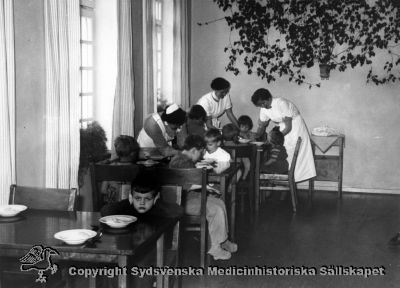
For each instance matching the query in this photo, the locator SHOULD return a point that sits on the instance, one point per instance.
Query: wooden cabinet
(329, 167)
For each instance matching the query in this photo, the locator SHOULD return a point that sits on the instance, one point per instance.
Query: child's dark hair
(245, 121)
(194, 141)
(276, 136)
(230, 132)
(144, 184)
(197, 112)
(125, 145)
(214, 134)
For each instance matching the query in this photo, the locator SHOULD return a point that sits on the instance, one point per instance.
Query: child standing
(221, 247)
(127, 150)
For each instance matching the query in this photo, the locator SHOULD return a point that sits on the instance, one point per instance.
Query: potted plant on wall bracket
(276, 39)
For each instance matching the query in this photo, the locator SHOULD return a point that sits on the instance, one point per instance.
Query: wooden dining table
(248, 150)
(116, 246)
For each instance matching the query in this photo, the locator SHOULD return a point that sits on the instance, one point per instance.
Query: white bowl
(258, 143)
(118, 221)
(244, 141)
(75, 236)
(11, 210)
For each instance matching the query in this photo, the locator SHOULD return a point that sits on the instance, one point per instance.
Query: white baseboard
(333, 186)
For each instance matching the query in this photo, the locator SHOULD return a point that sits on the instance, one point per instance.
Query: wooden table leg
(233, 207)
(160, 259)
(222, 183)
(257, 185)
(123, 278)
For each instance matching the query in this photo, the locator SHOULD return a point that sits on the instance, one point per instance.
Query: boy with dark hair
(274, 161)
(245, 126)
(221, 247)
(195, 124)
(230, 134)
(143, 201)
(127, 150)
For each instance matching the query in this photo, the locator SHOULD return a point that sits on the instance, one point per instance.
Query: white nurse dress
(215, 107)
(281, 108)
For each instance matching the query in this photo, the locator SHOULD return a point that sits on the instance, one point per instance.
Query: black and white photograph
(199, 143)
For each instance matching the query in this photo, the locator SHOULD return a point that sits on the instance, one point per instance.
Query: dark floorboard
(352, 231)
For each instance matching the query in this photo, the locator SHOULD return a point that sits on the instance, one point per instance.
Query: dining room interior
(77, 74)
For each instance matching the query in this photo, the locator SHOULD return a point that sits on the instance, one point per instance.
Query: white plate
(156, 157)
(148, 163)
(203, 165)
(11, 210)
(118, 221)
(244, 141)
(258, 143)
(208, 161)
(75, 236)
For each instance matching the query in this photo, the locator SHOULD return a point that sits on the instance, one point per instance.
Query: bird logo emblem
(39, 258)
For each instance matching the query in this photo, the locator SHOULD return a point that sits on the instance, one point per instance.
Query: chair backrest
(173, 194)
(44, 198)
(294, 159)
(108, 172)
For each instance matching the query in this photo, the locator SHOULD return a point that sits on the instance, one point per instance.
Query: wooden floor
(354, 231)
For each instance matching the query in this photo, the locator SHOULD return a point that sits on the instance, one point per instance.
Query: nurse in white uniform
(160, 129)
(217, 102)
(292, 125)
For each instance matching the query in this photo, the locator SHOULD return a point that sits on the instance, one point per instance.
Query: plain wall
(367, 114)
(30, 92)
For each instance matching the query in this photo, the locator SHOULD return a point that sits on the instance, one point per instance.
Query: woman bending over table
(160, 129)
(287, 116)
(217, 102)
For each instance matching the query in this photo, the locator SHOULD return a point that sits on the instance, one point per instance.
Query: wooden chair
(283, 179)
(186, 178)
(106, 172)
(37, 198)
(44, 198)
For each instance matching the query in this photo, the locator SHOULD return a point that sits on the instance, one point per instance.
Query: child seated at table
(213, 138)
(143, 201)
(245, 126)
(274, 161)
(230, 134)
(221, 247)
(127, 150)
(275, 156)
(195, 124)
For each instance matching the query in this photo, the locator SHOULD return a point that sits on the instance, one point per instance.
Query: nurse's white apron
(305, 166)
(145, 140)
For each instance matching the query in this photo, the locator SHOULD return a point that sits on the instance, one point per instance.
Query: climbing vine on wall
(278, 38)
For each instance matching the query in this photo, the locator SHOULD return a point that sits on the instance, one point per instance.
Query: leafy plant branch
(281, 38)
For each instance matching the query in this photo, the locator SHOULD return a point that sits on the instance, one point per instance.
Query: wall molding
(328, 186)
